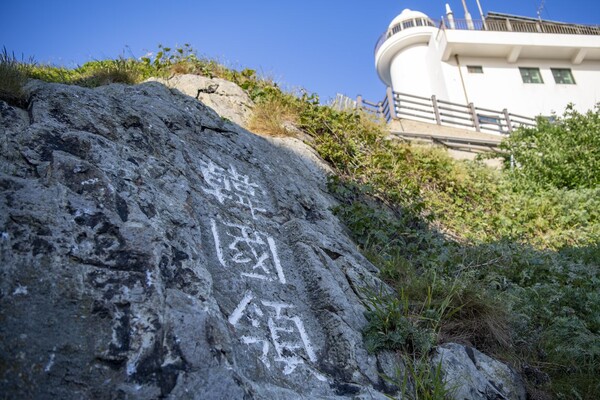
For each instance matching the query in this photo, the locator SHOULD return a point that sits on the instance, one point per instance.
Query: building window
(563, 76)
(531, 75)
(408, 24)
(475, 69)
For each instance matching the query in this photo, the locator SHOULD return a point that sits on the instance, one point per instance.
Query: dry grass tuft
(12, 79)
(106, 72)
(480, 321)
(275, 116)
(182, 67)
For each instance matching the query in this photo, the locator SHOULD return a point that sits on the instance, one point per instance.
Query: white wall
(438, 77)
(409, 71)
(501, 86)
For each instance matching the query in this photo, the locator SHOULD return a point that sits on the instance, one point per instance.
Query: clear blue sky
(325, 46)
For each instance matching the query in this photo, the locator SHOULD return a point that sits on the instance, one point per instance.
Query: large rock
(151, 249)
(224, 97)
(471, 375)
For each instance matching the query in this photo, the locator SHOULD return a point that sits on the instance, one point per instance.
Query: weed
(12, 79)
(390, 327)
(417, 379)
(424, 381)
(165, 63)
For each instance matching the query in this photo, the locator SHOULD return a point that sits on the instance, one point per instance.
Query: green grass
(166, 63)
(516, 272)
(419, 380)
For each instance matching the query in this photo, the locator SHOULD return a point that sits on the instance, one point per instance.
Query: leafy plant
(391, 327)
(165, 63)
(500, 294)
(563, 153)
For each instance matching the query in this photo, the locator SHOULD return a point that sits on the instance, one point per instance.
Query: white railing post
(359, 102)
(475, 117)
(391, 103)
(509, 126)
(436, 110)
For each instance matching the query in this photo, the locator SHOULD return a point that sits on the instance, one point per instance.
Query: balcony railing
(511, 25)
(408, 24)
(495, 24)
(397, 105)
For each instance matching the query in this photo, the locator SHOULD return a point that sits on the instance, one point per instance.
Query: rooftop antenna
(450, 16)
(468, 16)
(481, 15)
(540, 9)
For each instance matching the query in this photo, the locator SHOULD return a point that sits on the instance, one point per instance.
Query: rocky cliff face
(152, 249)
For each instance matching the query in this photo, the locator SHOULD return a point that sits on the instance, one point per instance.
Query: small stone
(472, 375)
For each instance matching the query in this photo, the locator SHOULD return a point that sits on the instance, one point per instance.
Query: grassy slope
(474, 256)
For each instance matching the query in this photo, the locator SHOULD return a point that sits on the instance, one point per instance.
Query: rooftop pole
(481, 15)
(468, 16)
(450, 16)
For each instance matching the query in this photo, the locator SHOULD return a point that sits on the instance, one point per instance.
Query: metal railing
(511, 25)
(408, 24)
(469, 144)
(496, 24)
(343, 102)
(380, 109)
(398, 105)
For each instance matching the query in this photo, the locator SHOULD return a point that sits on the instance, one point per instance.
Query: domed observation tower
(401, 53)
(469, 68)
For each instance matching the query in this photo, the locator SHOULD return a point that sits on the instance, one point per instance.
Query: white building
(527, 65)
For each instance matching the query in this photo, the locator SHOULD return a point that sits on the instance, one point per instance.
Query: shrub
(564, 153)
(507, 267)
(49, 73)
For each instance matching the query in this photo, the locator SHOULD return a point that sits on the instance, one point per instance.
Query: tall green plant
(563, 153)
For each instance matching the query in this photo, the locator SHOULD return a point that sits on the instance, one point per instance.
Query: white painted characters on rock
(254, 253)
(286, 333)
(230, 185)
(271, 327)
